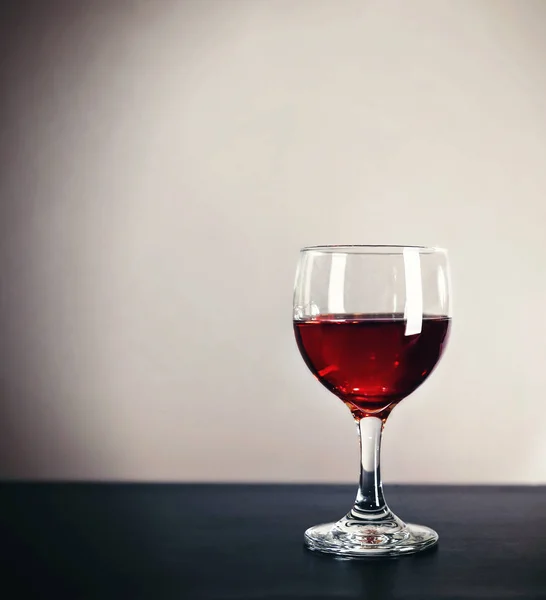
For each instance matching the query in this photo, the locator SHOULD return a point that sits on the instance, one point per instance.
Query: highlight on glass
(371, 323)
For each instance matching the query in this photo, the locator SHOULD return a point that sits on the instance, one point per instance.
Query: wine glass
(371, 322)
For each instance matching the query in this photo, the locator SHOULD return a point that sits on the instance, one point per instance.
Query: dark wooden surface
(245, 542)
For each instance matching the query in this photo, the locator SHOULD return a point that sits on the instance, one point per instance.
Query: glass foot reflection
(351, 538)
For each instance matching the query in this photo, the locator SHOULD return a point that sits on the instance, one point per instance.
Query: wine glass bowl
(371, 323)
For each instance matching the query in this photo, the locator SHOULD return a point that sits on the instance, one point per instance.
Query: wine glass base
(367, 541)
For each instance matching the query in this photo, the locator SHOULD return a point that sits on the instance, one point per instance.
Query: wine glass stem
(370, 502)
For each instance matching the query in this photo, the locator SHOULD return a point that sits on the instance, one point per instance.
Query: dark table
(245, 542)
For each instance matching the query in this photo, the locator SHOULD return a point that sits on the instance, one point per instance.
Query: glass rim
(372, 249)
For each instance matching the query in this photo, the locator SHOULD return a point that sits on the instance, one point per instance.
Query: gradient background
(161, 163)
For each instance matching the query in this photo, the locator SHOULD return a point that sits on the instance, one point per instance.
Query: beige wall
(162, 163)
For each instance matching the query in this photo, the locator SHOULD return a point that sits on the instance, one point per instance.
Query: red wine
(368, 360)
